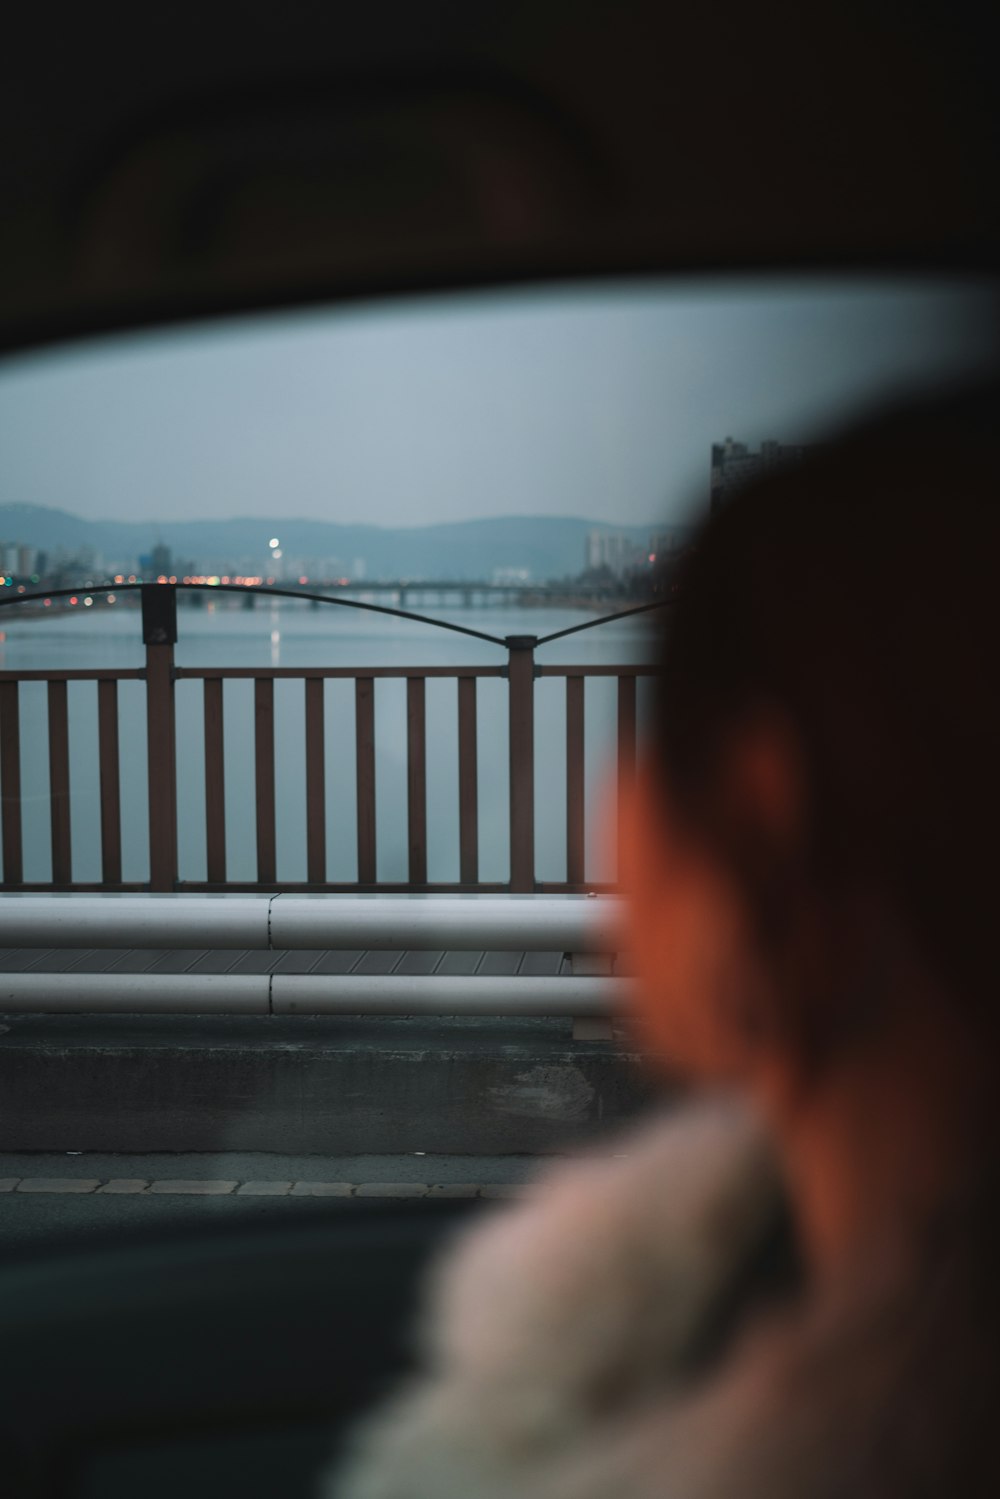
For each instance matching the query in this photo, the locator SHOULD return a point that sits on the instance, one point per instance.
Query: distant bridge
(464, 593)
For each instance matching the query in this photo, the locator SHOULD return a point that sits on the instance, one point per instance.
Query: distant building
(613, 550)
(16, 559)
(665, 544)
(161, 561)
(511, 575)
(80, 567)
(733, 465)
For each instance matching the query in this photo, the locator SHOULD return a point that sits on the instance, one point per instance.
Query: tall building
(614, 551)
(733, 464)
(161, 562)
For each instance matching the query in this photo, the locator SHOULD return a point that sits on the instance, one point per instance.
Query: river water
(287, 633)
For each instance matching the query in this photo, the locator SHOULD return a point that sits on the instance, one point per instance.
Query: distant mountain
(548, 546)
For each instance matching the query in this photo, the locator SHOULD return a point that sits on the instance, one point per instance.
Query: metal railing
(160, 676)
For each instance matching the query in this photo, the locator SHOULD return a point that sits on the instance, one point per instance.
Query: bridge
(458, 592)
(508, 1004)
(480, 593)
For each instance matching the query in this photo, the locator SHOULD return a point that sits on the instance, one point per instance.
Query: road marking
(322, 1189)
(392, 1189)
(58, 1184)
(203, 1188)
(136, 1186)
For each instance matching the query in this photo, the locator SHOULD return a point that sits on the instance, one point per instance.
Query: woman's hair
(854, 597)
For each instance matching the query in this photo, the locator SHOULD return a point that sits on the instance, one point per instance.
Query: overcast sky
(595, 403)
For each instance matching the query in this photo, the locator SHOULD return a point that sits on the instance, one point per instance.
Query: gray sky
(592, 402)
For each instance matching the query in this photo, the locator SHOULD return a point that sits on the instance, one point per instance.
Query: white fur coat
(557, 1336)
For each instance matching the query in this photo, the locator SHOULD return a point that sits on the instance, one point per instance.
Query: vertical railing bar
(215, 782)
(468, 783)
(159, 635)
(521, 671)
(364, 700)
(315, 783)
(62, 862)
(416, 779)
(575, 828)
(626, 748)
(108, 755)
(263, 713)
(10, 782)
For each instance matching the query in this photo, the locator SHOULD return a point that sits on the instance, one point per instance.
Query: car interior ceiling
(188, 162)
(219, 157)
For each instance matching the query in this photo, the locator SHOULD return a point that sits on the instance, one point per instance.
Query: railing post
(10, 782)
(521, 675)
(626, 753)
(159, 635)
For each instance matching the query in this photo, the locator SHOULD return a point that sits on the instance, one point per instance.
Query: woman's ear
(703, 1000)
(682, 933)
(633, 811)
(633, 833)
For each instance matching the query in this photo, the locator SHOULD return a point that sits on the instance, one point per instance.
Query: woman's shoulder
(674, 1207)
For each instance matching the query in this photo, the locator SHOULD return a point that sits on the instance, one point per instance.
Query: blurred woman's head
(818, 814)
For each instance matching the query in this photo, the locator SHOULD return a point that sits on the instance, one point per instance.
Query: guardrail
(160, 676)
(283, 923)
(581, 927)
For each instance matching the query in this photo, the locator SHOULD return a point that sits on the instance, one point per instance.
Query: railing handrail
(159, 678)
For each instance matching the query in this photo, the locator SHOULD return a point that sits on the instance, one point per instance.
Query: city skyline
(506, 547)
